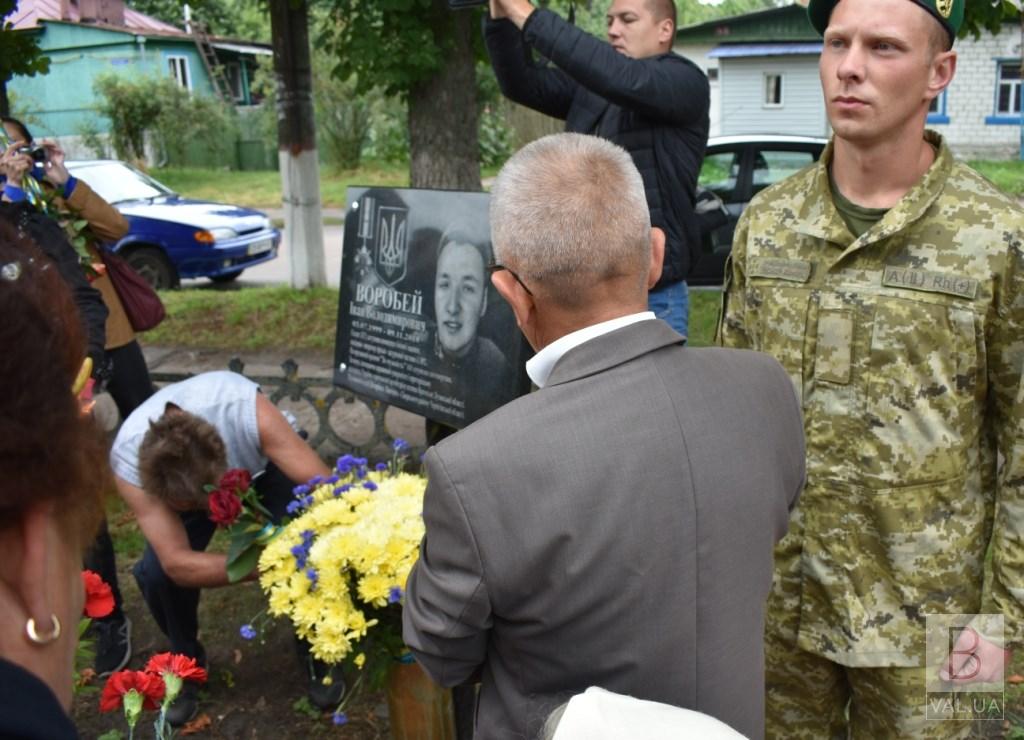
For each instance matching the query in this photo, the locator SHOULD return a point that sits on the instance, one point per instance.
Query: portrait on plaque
(419, 324)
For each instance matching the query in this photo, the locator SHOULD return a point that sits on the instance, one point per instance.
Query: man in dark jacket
(633, 91)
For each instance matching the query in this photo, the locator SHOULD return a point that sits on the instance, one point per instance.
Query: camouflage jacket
(905, 347)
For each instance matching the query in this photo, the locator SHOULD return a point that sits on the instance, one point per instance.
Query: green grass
(703, 316)
(263, 189)
(266, 318)
(1007, 175)
(248, 318)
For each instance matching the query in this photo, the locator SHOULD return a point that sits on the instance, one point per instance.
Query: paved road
(279, 270)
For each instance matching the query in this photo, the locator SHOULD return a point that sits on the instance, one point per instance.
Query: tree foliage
(19, 54)
(988, 15)
(240, 19)
(160, 108)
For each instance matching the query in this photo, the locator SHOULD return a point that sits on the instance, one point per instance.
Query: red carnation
(99, 599)
(181, 666)
(150, 687)
(237, 480)
(225, 506)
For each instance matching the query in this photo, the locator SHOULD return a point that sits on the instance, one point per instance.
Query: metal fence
(337, 420)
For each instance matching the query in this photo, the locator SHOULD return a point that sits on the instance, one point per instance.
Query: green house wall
(61, 103)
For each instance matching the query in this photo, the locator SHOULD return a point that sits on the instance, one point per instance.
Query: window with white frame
(178, 67)
(1008, 89)
(772, 90)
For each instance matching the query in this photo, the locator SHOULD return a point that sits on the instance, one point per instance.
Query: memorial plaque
(419, 324)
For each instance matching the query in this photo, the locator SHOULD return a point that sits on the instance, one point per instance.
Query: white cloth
(597, 714)
(225, 399)
(539, 366)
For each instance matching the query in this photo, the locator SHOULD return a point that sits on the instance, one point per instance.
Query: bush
(175, 120)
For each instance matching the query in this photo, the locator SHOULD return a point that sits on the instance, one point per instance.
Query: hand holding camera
(15, 163)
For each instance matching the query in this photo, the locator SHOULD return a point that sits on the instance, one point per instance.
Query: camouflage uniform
(906, 348)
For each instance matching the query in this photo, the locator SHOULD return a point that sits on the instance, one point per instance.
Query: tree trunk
(5, 103)
(296, 137)
(443, 142)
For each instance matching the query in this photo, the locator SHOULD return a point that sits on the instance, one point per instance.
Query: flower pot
(418, 708)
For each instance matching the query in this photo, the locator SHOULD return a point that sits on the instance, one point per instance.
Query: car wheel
(226, 277)
(152, 264)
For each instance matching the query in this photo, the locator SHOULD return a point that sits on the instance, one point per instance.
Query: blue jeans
(175, 608)
(672, 304)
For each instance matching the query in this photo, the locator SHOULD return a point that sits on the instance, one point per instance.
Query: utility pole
(296, 142)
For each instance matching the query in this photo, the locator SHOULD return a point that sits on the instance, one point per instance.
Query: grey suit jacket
(613, 529)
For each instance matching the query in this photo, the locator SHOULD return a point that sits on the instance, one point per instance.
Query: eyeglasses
(493, 267)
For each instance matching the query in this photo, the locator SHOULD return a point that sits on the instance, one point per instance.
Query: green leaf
(243, 563)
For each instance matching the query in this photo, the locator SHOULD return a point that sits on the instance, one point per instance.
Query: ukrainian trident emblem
(945, 7)
(391, 248)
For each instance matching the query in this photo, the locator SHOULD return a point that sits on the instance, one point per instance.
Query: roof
(785, 23)
(763, 50)
(29, 13)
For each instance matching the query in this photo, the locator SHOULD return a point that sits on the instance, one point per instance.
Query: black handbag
(141, 303)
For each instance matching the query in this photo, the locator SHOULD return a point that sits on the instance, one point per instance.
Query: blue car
(171, 237)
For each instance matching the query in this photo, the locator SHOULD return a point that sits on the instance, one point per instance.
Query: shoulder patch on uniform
(931, 282)
(797, 271)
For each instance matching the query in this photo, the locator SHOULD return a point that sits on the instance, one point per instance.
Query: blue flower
(313, 577)
(332, 480)
(394, 595)
(247, 632)
(307, 536)
(301, 490)
(340, 718)
(346, 463)
(381, 467)
(370, 485)
(400, 445)
(300, 553)
(294, 507)
(316, 480)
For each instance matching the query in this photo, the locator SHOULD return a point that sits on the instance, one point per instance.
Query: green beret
(950, 13)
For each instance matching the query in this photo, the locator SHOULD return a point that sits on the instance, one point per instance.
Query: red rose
(181, 666)
(225, 506)
(99, 599)
(149, 686)
(237, 480)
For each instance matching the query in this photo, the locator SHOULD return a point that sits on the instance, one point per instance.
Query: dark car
(170, 237)
(736, 168)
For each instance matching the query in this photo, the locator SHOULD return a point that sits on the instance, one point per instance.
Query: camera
(37, 153)
(459, 4)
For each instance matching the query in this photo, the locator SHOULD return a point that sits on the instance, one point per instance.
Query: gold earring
(35, 637)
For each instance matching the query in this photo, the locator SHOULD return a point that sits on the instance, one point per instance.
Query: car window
(116, 182)
(719, 173)
(772, 165)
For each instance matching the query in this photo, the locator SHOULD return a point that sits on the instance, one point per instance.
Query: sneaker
(326, 683)
(113, 644)
(184, 708)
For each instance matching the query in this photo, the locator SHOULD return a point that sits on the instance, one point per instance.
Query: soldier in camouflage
(888, 280)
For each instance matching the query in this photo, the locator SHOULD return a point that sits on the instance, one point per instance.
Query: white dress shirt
(539, 366)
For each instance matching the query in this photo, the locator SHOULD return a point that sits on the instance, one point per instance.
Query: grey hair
(568, 210)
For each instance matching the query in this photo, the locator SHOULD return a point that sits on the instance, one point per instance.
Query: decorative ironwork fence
(337, 420)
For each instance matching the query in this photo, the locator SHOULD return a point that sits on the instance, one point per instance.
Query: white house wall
(699, 56)
(972, 130)
(742, 96)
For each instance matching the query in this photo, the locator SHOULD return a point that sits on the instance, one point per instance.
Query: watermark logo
(965, 667)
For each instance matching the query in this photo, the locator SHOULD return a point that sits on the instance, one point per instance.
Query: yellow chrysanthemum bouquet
(338, 569)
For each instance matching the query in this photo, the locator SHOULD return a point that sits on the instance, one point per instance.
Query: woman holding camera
(120, 364)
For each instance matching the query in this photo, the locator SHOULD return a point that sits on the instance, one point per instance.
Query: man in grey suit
(615, 528)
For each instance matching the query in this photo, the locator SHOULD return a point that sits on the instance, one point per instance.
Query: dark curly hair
(180, 454)
(49, 450)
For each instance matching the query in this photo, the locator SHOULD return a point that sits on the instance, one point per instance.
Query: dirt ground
(255, 689)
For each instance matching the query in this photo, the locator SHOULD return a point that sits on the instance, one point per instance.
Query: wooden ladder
(214, 69)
